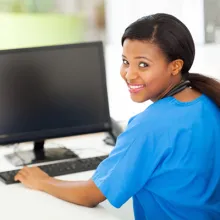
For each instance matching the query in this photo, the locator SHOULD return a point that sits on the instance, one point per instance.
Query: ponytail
(206, 85)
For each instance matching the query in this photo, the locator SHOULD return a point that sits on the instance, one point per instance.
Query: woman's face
(145, 70)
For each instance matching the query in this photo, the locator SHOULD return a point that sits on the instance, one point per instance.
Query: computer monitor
(51, 92)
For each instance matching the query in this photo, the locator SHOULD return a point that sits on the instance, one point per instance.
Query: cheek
(155, 80)
(149, 77)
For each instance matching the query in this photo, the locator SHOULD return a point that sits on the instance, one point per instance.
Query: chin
(139, 99)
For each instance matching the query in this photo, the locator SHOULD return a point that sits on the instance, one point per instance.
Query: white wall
(118, 16)
(120, 13)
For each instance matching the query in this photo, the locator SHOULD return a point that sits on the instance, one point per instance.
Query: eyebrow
(139, 57)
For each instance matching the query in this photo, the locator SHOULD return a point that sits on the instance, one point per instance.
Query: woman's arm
(83, 193)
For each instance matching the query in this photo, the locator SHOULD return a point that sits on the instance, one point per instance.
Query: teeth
(136, 87)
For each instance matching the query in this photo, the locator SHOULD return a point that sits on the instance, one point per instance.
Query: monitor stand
(40, 155)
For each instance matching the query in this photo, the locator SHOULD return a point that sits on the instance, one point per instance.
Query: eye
(125, 62)
(142, 64)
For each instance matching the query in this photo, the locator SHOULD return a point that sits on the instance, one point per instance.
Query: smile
(134, 88)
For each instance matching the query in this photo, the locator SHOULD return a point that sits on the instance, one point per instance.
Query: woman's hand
(32, 177)
(84, 193)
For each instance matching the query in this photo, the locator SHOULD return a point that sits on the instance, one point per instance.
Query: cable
(15, 152)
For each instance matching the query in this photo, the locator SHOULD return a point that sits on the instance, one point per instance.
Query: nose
(130, 74)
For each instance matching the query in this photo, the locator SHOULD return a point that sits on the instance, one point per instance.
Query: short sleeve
(130, 165)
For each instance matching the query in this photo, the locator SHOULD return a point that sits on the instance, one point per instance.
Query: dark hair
(176, 42)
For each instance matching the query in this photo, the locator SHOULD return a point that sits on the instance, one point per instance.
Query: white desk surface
(18, 202)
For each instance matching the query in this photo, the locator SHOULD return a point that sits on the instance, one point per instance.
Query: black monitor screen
(52, 92)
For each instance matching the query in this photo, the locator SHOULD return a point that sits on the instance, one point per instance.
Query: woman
(168, 158)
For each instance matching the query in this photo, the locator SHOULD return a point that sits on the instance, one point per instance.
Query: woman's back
(186, 182)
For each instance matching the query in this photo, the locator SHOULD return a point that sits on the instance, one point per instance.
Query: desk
(18, 202)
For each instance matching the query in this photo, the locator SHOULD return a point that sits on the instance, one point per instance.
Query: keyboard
(59, 168)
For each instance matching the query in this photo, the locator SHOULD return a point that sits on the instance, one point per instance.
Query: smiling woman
(168, 158)
(145, 66)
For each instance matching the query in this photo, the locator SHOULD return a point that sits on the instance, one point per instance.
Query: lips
(135, 88)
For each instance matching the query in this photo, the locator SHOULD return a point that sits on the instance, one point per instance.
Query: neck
(168, 89)
(165, 91)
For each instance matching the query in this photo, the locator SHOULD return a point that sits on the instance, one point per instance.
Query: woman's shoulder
(169, 112)
(152, 113)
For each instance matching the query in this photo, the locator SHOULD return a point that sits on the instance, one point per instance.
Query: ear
(176, 66)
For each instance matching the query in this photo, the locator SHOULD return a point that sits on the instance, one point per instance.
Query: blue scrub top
(168, 160)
